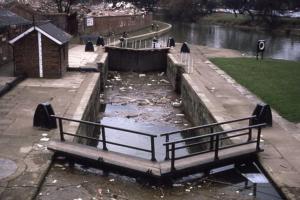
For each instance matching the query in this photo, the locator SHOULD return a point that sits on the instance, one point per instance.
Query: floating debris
(54, 181)
(111, 180)
(44, 139)
(177, 185)
(161, 74)
(142, 75)
(176, 104)
(164, 81)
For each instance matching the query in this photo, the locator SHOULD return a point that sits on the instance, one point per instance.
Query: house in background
(41, 51)
(64, 21)
(10, 26)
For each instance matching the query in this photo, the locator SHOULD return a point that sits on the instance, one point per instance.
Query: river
(277, 46)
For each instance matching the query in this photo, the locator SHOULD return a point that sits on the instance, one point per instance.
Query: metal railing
(103, 140)
(214, 142)
(211, 130)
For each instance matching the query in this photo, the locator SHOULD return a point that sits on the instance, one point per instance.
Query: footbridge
(215, 148)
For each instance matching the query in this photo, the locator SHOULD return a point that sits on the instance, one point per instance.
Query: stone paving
(79, 58)
(24, 157)
(228, 100)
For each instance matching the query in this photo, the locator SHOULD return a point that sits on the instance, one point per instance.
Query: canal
(277, 46)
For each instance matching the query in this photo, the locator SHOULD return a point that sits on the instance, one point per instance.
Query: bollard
(42, 116)
(263, 114)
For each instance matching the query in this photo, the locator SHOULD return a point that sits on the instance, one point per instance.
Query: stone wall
(117, 24)
(137, 60)
(91, 109)
(103, 68)
(174, 72)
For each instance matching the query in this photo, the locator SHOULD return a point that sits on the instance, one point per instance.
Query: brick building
(41, 51)
(10, 26)
(117, 24)
(64, 21)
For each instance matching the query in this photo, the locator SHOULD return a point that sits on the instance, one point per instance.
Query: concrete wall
(117, 24)
(137, 60)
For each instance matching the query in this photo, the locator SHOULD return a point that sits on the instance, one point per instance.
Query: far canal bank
(286, 47)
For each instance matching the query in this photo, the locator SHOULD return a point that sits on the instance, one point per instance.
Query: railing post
(103, 138)
(167, 148)
(217, 147)
(250, 134)
(211, 139)
(173, 157)
(61, 130)
(258, 139)
(152, 149)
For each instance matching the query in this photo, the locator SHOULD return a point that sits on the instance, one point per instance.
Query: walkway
(228, 100)
(24, 158)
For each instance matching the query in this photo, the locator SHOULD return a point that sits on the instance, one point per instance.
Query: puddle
(7, 168)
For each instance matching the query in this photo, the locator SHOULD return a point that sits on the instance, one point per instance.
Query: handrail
(214, 141)
(103, 125)
(214, 134)
(208, 125)
(214, 137)
(104, 141)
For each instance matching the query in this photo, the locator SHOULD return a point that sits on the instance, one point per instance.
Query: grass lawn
(276, 82)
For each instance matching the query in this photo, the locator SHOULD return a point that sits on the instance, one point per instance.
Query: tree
(63, 6)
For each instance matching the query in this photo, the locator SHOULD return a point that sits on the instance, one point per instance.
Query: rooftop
(8, 18)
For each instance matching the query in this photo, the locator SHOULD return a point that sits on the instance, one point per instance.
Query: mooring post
(173, 157)
(152, 149)
(61, 131)
(167, 148)
(211, 139)
(217, 147)
(258, 139)
(104, 138)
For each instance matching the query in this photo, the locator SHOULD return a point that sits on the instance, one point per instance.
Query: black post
(211, 139)
(173, 157)
(167, 148)
(258, 139)
(61, 131)
(250, 135)
(152, 149)
(104, 139)
(217, 147)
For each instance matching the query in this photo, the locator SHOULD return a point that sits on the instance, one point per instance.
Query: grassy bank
(276, 82)
(284, 25)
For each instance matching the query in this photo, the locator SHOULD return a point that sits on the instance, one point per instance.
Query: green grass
(276, 82)
(226, 19)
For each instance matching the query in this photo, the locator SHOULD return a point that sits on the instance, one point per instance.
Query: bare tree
(63, 6)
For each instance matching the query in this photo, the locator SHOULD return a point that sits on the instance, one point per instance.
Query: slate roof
(48, 30)
(55, 32)
(8, 18)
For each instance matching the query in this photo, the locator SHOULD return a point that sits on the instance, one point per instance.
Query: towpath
(24, 158)
(228, 100)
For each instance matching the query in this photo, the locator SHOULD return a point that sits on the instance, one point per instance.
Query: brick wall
(118, 24)
(26, 56)
(51, 58)
(6, 34)
(55, 57)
